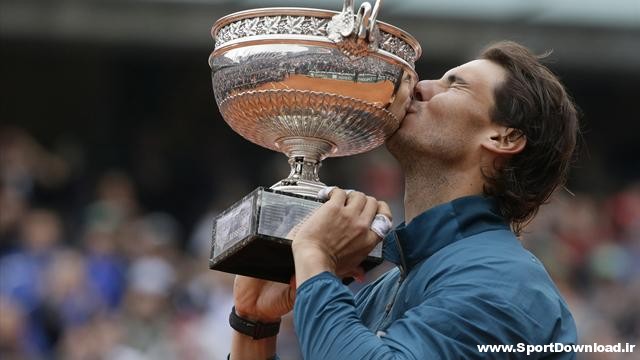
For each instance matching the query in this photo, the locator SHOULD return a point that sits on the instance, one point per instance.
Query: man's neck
(430, 185)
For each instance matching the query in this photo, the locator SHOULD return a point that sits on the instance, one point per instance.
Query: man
(481, 149)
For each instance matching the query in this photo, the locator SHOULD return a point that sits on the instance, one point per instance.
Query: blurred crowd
(591, 248)
(108, 279)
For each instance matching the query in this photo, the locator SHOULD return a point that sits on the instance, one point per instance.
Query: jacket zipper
(403, 274)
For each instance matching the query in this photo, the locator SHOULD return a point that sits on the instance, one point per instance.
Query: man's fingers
(357, 273)
(337, 196)
(356, 201)
(323, 194)
(293, 283)
(381, 224)
(370, 209)
(384, 209)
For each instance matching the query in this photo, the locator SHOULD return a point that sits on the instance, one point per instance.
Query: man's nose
(426, 89)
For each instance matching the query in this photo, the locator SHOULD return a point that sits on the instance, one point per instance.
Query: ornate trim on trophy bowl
(246, 25)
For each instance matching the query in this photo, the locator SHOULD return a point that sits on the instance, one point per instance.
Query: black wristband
(256, 329)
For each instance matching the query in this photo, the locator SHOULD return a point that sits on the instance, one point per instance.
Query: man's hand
(337, 237)
(262, 300)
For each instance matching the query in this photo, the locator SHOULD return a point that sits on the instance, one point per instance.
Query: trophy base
(250, 237)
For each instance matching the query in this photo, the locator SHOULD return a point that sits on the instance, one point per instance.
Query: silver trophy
(311, 84)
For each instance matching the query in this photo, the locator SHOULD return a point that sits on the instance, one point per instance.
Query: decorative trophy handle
(374, 13)
(343, 25)
(368, 22)
(348, 5)
(364, 18)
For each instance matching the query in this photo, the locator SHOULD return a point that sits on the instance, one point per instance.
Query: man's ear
(505, 141)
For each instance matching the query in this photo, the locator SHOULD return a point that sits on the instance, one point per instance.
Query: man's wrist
(311, 261)
(257, 330)
(315, 256)
(274, 357)
(256, 317)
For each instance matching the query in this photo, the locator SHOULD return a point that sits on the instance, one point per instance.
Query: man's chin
(394, 143)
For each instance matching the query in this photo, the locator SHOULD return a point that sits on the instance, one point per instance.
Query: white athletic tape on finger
(323, 194)
(381, 225)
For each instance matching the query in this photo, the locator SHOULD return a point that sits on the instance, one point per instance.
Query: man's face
(449, 118)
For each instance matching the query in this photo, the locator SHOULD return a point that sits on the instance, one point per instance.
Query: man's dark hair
(534, 102)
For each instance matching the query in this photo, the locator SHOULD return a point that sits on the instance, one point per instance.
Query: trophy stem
(305, 157)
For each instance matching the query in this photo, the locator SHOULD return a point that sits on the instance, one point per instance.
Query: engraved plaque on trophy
(311, 84)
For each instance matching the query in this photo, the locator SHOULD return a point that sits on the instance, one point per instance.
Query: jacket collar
(440, 226)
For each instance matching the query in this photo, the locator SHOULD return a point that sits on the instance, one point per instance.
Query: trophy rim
(302, 39)
(300, 11)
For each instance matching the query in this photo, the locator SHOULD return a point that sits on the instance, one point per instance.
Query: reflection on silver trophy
(311, 84)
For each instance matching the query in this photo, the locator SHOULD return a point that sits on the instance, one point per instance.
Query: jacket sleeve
(448, 324)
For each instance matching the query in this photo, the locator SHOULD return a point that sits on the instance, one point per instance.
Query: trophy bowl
(311, 84)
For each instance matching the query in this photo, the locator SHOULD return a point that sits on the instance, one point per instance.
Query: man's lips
(411, 108)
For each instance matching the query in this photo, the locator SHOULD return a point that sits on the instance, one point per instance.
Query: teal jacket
(462, 280)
